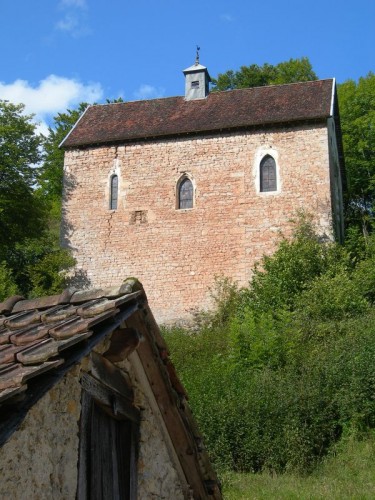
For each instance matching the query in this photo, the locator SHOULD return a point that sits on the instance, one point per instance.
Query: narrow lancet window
(185, 194)
(268, 180)
(114, 193)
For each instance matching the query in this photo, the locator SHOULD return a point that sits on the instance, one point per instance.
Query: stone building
(176, 191)
(90, 404)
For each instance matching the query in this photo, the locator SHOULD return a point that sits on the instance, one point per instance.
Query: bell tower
(197, 80)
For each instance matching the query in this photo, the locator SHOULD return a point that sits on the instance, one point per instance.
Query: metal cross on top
(197, 55)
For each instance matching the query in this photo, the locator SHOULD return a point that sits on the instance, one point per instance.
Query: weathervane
(197, 56)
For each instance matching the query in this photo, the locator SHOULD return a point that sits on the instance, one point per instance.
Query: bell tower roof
(197, 80)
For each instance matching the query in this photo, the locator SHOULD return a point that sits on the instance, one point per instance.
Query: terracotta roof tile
(4, 335)
(16, 374)
(11, 392)
(43, 302)
(8, 304)
(48, 348)
(8, 353)
(22, 320)
(172, 116)
(34, 333)
(27, 335)
(58, 313)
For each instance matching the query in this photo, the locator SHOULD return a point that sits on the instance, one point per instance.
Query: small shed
(90, 403)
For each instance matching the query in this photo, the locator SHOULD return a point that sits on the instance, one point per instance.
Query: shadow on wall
(78, 277)
(79, 280)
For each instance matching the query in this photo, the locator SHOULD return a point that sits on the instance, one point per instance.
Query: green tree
(8, 286)
(21, 212)
(357, 111)
(294, 70)
(51, 173)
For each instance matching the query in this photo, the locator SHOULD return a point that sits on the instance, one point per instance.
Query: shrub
(285, 368)
(279, 279)
(331, 298)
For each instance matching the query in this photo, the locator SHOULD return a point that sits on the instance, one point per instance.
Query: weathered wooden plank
(115, 403)
(108, 450)
(123, 342)
(167, 399)
(112, 376)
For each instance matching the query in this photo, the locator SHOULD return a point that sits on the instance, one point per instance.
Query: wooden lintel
(105, 396)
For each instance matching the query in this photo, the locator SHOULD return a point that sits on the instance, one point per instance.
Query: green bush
(285, 368)
(331, 298)
(279, 279)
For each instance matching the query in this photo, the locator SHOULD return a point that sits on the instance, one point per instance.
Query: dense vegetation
(285, 368)
(31, 260)
(347, 472)
(294, 70)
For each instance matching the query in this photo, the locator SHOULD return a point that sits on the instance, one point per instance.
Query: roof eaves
(74, 126)
(203, 131)
(15, 411)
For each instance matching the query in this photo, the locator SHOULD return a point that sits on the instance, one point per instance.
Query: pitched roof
(42, 339)
(241, 108)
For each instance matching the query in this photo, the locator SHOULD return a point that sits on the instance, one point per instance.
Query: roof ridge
(211, 93)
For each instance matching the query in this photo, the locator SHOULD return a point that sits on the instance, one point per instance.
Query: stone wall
(176, 254)
(40, 460)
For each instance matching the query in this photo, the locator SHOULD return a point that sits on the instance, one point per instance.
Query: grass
(349, 474)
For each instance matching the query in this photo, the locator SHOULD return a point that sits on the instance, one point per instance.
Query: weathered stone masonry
(178, 253)
(50, 469)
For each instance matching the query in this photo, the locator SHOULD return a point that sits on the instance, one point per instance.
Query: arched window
(113, 193)
(185, 193)
(268, 180)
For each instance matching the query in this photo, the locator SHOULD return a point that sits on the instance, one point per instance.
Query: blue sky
(57, 53)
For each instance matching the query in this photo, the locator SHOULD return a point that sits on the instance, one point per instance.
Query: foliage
(278, 280)
(7, 285)
(294, 70)
(286, 369)
(357, 110)
(51, 174)
(348, 472)
(331, 298)
(21, 213)
(50, 274)
(39, 266)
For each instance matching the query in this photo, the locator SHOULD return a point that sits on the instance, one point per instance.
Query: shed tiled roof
(234, 109)
(34, 334)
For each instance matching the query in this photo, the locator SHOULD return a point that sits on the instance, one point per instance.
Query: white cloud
(52, 95)
(74, 21)
(227, 17)
(68, 23)
(146, 91)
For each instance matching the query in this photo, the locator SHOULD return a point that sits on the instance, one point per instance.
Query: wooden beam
(169, 403)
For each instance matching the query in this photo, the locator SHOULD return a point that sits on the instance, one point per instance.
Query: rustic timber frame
(109, 431)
